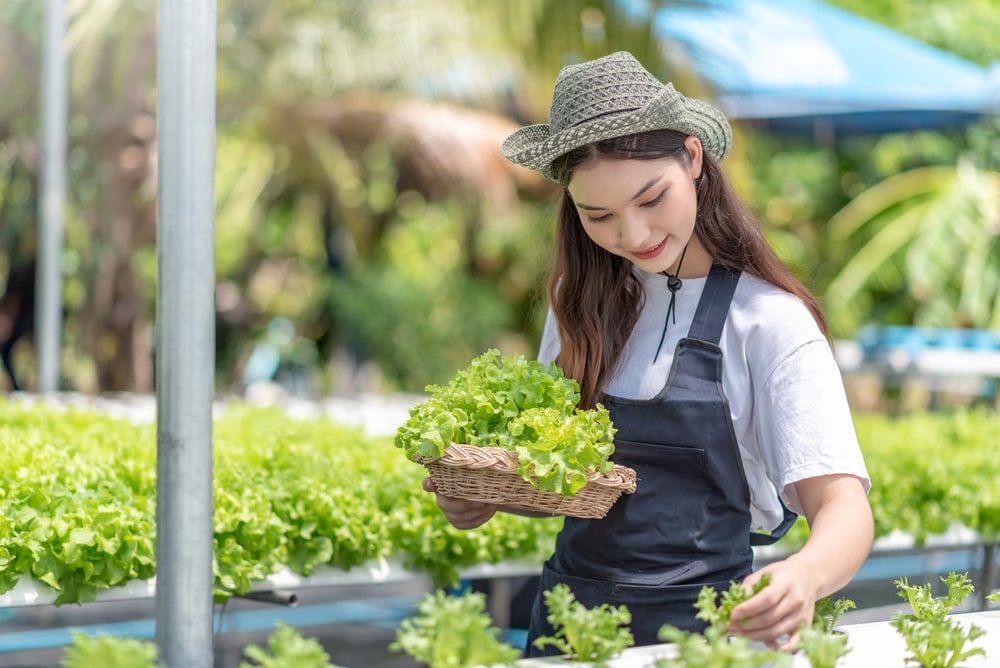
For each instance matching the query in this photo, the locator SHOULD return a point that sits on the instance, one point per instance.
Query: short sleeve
(804, 424)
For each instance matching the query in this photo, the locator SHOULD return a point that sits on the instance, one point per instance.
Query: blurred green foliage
(386, 228)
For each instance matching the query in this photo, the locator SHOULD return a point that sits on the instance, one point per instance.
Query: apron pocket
(668, 511)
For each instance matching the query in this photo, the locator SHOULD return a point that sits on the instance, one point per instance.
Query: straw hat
(612, 97)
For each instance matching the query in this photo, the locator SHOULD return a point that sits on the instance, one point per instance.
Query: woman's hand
(461, 513)
(840, 537)
(774, 614)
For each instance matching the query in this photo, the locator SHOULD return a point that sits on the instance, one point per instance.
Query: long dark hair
(593, 329)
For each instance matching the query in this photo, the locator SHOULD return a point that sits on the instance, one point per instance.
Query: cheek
(690, 216)
(604, 235)
(686, 211)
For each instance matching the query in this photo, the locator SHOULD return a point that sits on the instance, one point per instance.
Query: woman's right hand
(461, 513)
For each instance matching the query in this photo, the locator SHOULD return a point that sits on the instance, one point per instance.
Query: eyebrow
(649, 184)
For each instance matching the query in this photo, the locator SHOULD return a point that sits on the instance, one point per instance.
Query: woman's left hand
(840, 537)
(774, 615)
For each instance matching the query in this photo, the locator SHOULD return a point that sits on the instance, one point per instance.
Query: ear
(694, 149)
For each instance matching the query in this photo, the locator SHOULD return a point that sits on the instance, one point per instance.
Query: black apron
(688, 523)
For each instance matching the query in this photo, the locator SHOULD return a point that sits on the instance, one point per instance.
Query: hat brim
(534, 147)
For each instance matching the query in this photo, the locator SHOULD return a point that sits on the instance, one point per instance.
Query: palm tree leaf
(884, 199)
(890, 241)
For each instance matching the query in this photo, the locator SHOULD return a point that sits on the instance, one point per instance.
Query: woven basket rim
(489, 457)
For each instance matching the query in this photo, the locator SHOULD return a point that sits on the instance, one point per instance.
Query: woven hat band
(601, 96)
(611, 97)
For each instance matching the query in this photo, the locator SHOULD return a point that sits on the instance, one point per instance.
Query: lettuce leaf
(520, 405)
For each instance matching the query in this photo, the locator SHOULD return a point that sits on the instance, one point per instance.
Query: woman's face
(643, 210)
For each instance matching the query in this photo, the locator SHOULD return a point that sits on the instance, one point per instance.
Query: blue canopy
(806, 67)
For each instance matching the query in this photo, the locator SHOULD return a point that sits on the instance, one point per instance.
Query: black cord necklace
(673, 284)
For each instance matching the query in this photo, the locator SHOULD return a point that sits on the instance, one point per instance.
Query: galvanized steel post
(185, 329)
(48, 316)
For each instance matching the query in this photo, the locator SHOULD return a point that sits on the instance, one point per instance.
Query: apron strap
(709, 320)
(714, 304)
(771, 538)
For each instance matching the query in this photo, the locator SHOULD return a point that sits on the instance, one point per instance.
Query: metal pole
(48, 318)
(988, 575)
(185, 329)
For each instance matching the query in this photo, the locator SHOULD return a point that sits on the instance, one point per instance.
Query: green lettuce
(520, 405)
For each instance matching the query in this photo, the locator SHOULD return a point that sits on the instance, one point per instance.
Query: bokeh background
(370, 237)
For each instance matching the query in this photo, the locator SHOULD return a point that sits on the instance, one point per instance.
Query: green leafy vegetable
(934, 639)
(926, 606)
(822, 648)
(828, 611)
(926, 483)
(109, 652)
(78, 497)
(721, 615)
(585, 634)
(78, 502)
(714, 648)
(819, 642)
(426, 541)
(453, 632)
(557, 451)
(520, 405)
(287, 648)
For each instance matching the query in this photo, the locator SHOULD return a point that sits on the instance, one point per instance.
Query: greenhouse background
(367, 239)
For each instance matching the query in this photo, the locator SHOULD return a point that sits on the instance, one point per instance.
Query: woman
(669, 308)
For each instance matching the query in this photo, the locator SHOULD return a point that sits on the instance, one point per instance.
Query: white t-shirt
(785, 391)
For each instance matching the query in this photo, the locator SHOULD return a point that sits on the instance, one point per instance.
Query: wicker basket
(489, 474)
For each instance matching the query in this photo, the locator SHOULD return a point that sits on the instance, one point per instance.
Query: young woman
(669, 308)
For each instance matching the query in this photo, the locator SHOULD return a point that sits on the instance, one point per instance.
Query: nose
(634, 233)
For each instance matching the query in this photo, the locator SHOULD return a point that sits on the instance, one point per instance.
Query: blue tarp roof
(793, 64)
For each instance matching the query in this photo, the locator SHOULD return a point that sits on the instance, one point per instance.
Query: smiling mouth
(651, 252)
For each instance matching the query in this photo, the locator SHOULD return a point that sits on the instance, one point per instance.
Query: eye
(656, 200)
(598, 219)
